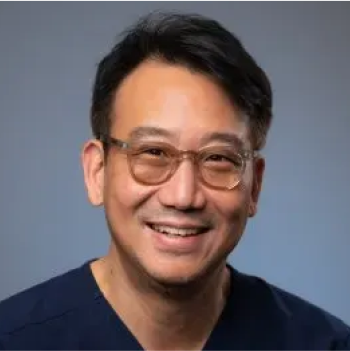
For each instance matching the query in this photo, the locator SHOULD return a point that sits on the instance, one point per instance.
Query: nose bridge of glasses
(186, 155)
(188, 172)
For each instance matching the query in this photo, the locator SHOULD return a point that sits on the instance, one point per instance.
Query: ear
(258, 174)
(92, 158)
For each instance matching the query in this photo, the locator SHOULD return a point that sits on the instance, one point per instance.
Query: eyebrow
(142, 132)
(228, 138)
(231, 139)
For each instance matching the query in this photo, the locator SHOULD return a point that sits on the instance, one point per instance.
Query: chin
(176, 280)
(177, 275)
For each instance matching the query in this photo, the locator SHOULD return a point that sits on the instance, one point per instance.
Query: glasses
(154, 163)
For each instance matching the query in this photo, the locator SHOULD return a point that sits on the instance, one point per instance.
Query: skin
(169, 296)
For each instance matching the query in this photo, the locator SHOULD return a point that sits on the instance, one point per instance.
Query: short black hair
(198, 43)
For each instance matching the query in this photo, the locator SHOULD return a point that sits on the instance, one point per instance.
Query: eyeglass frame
(177, 156)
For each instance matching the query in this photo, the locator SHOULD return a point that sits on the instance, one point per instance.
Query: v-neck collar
(121, 336)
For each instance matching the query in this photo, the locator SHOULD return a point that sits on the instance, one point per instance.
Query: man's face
(188, 106)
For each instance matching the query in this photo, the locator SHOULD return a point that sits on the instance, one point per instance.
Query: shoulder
(46, 301)
(298, 318)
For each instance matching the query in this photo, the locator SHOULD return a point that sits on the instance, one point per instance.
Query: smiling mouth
(176, 231)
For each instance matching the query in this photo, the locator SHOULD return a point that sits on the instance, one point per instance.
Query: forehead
(186, 104)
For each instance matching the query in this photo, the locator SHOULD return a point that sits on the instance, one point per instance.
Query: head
(185, 82)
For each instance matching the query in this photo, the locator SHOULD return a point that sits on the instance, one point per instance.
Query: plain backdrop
(48, 55)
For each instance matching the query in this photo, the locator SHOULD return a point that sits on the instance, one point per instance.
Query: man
(180, 112)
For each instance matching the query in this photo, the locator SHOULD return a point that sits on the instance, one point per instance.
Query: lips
(177, 230)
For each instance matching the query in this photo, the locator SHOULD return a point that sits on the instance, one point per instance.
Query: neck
(162, 317)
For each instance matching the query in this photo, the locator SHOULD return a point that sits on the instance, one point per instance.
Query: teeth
(172, 231)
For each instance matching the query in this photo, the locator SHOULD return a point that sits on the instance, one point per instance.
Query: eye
(230, 160)
(218, 158)
(154, 151)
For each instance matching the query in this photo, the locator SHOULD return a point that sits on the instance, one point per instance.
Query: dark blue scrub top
(70, 312)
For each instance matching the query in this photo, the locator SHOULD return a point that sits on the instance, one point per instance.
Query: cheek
(236, 210)
(122, 195)
(232, 207)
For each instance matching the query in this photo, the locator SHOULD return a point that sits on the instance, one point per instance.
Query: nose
(183, 191)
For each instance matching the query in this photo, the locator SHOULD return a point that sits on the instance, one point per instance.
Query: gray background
(48, 56)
